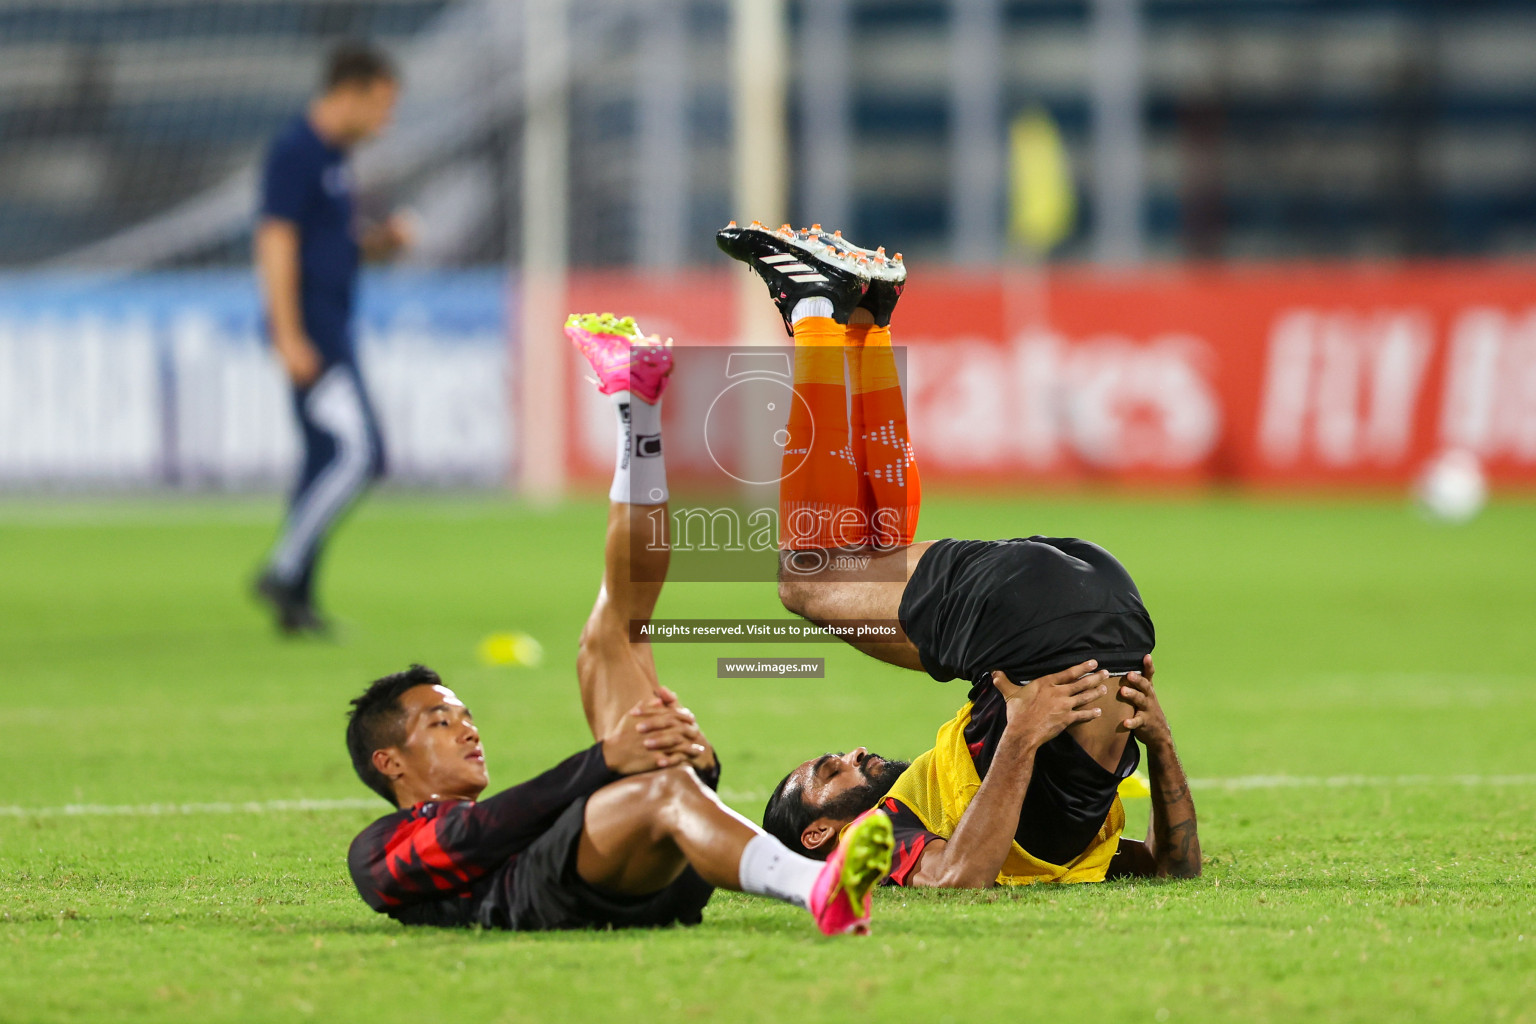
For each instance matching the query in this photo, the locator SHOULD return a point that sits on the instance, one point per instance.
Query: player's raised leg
(812, 585)
(632, 370)
(891, 490)
(641, 833)
(819, 505)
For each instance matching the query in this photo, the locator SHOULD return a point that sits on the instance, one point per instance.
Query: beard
(877, 782)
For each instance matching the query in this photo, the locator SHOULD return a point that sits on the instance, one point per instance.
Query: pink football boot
(622, 357)
(840, 898)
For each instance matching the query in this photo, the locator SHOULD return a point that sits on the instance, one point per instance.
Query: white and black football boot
(797, 265)
(887, 274)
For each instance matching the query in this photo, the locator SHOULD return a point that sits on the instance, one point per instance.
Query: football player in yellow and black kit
(1022, 784)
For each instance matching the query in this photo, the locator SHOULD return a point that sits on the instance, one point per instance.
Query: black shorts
(1028, 607)
(546, 894)
(1069, 797)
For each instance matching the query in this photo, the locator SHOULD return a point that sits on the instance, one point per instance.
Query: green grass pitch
(1381, 663)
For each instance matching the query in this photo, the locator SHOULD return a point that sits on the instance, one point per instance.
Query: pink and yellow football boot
(840, 899)
(623, 358)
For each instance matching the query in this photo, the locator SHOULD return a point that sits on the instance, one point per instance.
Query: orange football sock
(819, 481)
(880, 443)
(857, 433)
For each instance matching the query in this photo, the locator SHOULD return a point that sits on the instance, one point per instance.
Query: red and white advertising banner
(1308, 376)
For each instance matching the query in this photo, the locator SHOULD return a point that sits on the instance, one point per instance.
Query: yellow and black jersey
(1071, 820)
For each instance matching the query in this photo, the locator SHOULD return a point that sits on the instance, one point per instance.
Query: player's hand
(1148, 721)
(651, 735)
(393, 236)
(300, 359)
(402, 229)
(697, 750)
(1042, 710)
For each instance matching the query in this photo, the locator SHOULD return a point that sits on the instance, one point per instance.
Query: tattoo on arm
(1172, 836)
(1182, 857)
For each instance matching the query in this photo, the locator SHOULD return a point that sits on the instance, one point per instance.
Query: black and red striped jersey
(441, 862)
(912, 838)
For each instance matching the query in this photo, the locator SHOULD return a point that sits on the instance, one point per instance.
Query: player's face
(442, 755)
(823, 780)
(373, 105)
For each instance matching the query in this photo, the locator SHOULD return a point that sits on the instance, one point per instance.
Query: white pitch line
(1241, 782)
(88, 512)
(1358, 781)
(158, 810)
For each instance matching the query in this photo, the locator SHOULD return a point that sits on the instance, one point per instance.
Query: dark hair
(358, 64)
(787, 816)
(789, 813)
(377, 721)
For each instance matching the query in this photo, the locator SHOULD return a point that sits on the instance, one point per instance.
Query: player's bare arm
(972, 857)
(1172, 846)
(277, 269)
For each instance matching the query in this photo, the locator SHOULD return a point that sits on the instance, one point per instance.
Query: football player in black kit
(627, 833)
(1050, 633)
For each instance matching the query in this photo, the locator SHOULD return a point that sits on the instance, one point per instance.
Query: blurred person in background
(307, 251)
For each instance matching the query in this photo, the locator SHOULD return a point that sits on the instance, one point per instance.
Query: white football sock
(769, 868)
(640, 475)
(818, 305)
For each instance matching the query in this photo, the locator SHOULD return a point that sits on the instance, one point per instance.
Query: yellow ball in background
(1135, 787)
(518, 649)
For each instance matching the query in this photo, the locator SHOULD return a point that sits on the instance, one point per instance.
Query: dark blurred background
(1023, 143)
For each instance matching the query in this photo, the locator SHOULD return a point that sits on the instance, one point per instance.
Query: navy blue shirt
(308, 181)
